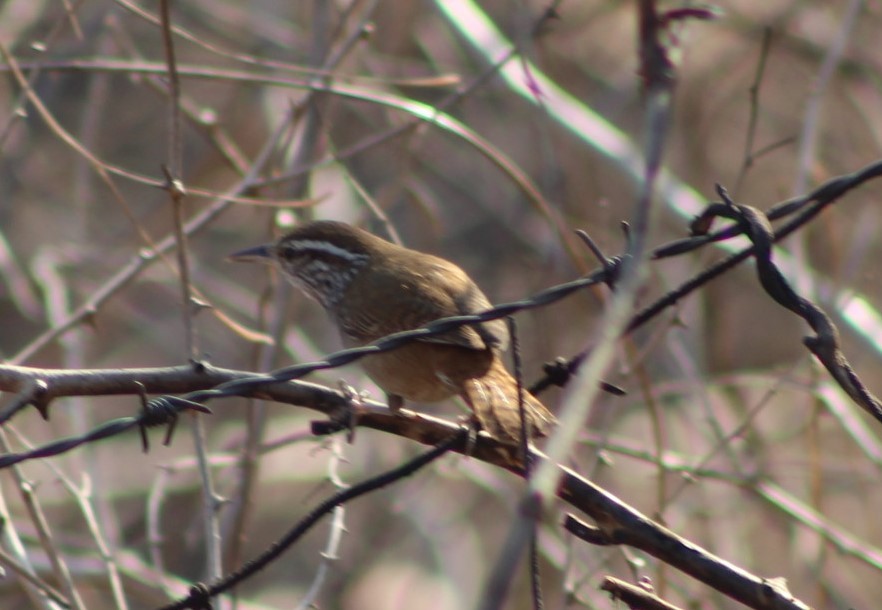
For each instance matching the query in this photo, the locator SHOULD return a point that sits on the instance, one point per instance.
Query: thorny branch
(617, 522)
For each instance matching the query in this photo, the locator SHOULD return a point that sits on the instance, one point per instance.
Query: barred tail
(494, 400)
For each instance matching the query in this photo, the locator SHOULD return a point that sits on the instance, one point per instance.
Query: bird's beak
(257, 254)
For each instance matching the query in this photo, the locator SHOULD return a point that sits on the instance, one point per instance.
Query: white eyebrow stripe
(326, 247)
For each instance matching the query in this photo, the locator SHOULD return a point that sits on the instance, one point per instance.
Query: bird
(371, 288)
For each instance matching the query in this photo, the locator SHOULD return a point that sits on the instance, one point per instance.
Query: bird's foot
(474, 426)
(395, 402)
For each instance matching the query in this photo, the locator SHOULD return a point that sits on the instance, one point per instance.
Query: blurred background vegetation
(764, 462)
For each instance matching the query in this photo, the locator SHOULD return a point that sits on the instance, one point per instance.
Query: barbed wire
(163, 410)
(808, 206)
(822, 196)
(825, 345)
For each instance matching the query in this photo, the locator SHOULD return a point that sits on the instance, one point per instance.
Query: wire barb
(163, 411)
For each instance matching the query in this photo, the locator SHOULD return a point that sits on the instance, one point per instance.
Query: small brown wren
(372, 288)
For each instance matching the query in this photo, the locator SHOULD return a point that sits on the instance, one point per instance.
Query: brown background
(744, 411)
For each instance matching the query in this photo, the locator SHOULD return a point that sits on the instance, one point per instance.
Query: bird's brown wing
(493, 334)
(444, 290)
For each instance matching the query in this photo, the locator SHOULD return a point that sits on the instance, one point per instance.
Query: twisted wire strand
(164, 409)
(396, 340)
(825, 345)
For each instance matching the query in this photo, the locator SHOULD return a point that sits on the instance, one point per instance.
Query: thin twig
(335, 532)
(32, 505)
(202, 593)
(749, 156)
